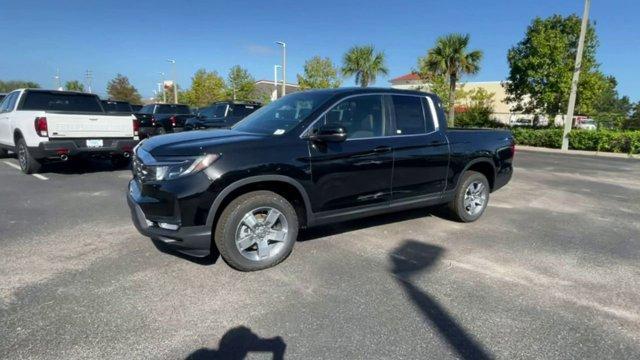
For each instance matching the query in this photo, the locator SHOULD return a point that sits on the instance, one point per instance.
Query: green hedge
(601, 140)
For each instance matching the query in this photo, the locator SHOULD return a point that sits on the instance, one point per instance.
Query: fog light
(168, 226)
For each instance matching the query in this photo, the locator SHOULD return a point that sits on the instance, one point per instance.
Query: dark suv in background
(158, 119)
(117, 107)
(221, 115)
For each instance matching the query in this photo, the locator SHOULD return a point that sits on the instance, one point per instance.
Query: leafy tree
(478, 107)
(542, 64)
(206, 87)
(610, 109)
(633, 122)
(8, 86)
(450, 58)
(74, 85)
(319, 73)
(439, 85)
(120, 89)
(365, 63)
(240, 84)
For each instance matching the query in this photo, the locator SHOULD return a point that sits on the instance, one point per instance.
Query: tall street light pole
(284, 66)
(175, 82)
(275, 80)
(568, 121)
(164, 93)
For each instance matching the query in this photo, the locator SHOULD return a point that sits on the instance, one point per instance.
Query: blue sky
(136, 37)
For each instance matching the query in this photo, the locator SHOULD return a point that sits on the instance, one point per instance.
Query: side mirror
(329, 133)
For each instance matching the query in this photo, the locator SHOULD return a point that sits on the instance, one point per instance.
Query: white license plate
(94, 143)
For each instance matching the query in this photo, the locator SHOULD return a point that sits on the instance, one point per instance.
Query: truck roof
(368, 90)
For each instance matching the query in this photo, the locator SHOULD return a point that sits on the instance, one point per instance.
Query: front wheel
(28, 164)
(472, 197)
(256, 231)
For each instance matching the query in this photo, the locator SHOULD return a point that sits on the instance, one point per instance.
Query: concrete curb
(577, 152)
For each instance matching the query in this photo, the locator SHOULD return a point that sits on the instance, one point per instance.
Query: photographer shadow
(237, 343)
(414, 257)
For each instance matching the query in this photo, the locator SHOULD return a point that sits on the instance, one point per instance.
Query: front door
(355, 172)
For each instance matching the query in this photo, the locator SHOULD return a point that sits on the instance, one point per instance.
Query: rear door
(355, 172)
(6, 107)
(420, 149)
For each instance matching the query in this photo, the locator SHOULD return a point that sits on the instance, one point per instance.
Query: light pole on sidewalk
(284, 66)
(568, 121)
(175, 82)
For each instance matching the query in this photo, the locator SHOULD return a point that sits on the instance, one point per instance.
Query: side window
(409, 115)
(362, 117)
(147, 109)
(9, 102)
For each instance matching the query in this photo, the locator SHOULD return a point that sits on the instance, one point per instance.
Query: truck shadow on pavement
(238, 342)
(412, 258)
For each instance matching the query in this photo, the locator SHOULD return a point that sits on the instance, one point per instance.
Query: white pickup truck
(48, 125)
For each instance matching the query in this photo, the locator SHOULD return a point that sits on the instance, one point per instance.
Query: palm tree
(451, 58)
(364, 63)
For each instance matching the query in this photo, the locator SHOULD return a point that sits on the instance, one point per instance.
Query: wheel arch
(17, 134)
(482, 165)
(285, 186)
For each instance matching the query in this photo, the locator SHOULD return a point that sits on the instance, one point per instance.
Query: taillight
(153, 121)
(173, 120)
(41, 126)
(136, 127)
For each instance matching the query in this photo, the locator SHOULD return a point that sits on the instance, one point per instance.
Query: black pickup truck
(311, 158)
(158, 119)
(220, 115)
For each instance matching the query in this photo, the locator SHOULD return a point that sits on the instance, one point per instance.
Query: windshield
(116, 106)
(173, 109)
(589, 122)
(284, 114)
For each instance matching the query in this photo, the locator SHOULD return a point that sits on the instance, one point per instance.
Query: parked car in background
(522, 122)
(119, 107)
(311, 158)
(136, 108)
(585, 124)
(221, 115)
(158, 119)
(44, 125)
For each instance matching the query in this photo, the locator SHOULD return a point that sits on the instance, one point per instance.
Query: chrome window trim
(434, 114)
(434, 118)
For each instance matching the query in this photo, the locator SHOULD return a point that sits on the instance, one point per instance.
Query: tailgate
(89, 125)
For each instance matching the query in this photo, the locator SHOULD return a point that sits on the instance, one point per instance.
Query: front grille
(142, 171)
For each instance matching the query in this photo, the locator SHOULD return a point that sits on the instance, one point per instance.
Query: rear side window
(409, 115)
(173, 109)
(60, 101)
(147, 109)
(9, 102)
(220, 111)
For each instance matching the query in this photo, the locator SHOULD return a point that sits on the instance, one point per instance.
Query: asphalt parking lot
(552, 270)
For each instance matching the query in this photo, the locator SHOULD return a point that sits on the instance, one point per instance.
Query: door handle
(382, 149)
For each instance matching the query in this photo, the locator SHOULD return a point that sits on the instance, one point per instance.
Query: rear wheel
(28, 163)
(256, 231)
(161, 131)
(3, 153)
(472, 197)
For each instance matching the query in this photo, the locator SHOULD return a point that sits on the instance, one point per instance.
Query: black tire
(457, 207)
(28, 164)
(120, 162)
(231, 219)
(3, 153)
(161, 131)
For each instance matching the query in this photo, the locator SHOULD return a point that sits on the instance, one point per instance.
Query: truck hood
(193, 143)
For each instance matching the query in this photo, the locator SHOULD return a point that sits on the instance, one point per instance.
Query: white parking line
(41, 177)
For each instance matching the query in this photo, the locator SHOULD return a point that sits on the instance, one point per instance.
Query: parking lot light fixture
(284, 66)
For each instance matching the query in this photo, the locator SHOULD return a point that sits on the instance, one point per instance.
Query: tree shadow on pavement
(238, 342)
(411, 258)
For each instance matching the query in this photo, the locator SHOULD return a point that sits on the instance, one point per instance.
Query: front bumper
(191, 240)
(77, 147)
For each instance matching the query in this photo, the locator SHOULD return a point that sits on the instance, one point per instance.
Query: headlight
(170, 171)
